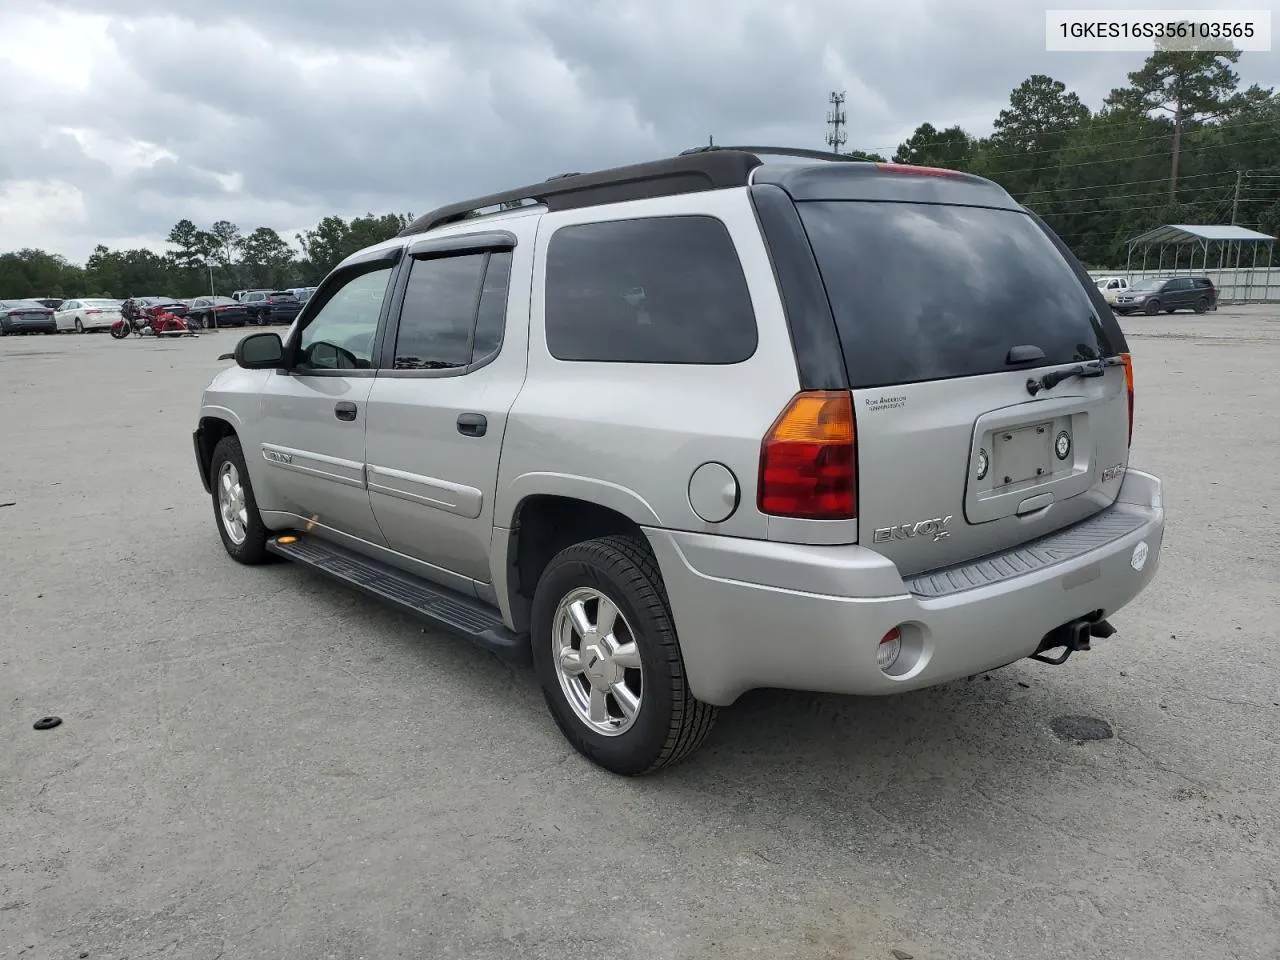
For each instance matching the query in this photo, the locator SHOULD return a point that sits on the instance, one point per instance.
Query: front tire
(608, 658)
(1152, 308)
(235, 509)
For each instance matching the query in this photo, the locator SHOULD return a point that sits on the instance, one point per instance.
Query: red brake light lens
(918, 171)
(1127, 360)
(808, 457)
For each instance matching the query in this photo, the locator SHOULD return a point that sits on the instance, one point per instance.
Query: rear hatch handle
(1094, 368)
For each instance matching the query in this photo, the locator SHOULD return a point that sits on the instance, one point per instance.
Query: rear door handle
(344, 410)
(472, 424)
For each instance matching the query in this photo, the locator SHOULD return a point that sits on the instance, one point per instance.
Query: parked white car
(1112, 287)
(85, 315)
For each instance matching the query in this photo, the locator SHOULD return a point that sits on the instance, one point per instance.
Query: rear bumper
(760, 614)
(31, 326)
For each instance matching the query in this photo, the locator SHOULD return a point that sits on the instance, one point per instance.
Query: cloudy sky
(119, 117)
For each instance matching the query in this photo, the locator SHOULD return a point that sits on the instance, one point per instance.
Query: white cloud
(123, 116)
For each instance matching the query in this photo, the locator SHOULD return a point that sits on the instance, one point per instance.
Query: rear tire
(665, 723)
(235, 509)
(79, 326)
(1202, 305)
(1152, 308)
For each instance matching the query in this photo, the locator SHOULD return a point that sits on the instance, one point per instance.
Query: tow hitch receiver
(1072, 637)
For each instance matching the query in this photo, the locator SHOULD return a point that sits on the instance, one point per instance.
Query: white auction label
(1093, 31)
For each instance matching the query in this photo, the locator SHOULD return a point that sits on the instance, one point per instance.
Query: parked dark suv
(1154, 294)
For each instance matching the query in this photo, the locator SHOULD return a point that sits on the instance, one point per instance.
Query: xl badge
(935, 529)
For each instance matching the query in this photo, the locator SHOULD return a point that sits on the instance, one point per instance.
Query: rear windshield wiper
(1094, 368)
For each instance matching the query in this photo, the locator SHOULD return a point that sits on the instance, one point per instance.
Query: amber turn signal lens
(807, 459)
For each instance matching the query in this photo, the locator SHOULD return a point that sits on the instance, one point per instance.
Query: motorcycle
(156, 322)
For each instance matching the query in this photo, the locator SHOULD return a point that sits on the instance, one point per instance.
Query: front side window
(454, 311)
(652, 290)
(341, 334)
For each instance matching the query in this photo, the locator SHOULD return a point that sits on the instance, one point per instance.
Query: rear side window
(930, 292)
(454, 311)
(652, 290)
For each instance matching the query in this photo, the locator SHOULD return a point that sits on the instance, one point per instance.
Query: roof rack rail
(780, 152)
(688, 173)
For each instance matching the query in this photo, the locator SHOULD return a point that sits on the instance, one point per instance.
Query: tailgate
(955, 322)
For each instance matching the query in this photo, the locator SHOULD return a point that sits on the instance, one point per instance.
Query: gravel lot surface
(254, 763)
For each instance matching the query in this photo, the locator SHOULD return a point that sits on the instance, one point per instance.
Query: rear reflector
(890, 648)
(807, 459)
(918, 171)
(1127, 359)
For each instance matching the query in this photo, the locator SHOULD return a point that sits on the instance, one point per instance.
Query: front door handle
(344, 410)
(472, 424)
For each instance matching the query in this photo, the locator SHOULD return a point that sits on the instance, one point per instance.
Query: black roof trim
(709, 170)
(871, 181)
(802, 152)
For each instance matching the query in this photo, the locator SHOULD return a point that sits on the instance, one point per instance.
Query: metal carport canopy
(1206, 233)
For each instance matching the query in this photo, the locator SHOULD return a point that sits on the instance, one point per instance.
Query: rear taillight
(1127, 360)
(808, 457)
(88, 313)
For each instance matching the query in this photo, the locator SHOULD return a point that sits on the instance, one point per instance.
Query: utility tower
(835, 120)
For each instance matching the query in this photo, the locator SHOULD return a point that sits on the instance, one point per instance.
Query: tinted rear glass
(929, 292)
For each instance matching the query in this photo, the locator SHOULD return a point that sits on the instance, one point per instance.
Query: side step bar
(437, 605)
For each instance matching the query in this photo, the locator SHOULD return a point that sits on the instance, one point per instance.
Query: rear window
(650, 290)
(930, 292)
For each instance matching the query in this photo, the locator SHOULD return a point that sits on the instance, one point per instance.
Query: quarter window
(652, 290)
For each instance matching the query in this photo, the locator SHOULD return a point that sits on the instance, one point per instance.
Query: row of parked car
(1151, 295)
(52, 315)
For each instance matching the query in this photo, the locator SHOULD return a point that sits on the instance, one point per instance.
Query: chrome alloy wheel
(231, 503)
(597, 661)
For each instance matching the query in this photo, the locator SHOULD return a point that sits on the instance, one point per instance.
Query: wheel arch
(543, 524)
(210, 431)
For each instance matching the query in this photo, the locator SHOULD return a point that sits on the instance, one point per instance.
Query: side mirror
(260, 351)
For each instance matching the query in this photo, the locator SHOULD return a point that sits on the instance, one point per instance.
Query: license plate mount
(1022, 454)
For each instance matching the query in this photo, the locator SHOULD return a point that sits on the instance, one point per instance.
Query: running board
(439, 606)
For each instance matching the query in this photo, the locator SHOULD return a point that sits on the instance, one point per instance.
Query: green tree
(864, 155)
(1185, 83)
(225, 242)
(37, 273)
(1030, 132)
(931, 147)
(193, 245)
(266, 259)
(131, 273)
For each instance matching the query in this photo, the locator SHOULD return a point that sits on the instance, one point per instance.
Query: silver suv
(691, 427)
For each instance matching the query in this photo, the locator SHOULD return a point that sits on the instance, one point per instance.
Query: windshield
(1143, 285)
(23, 304)
(925, 291)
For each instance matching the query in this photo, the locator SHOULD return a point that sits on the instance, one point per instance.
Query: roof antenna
(711, 141)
